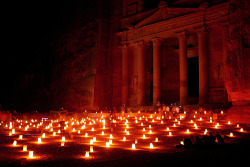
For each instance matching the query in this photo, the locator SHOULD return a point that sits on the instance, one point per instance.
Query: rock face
(73, 75)
(238, 59)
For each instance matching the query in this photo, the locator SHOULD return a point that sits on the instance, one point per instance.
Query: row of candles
(83, 122)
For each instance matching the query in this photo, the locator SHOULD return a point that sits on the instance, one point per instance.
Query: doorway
(193, 78)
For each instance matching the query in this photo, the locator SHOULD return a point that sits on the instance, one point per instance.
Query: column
(156, 70)
(140, 5)
(203, 85)
(141, 73)
(125, 75)
(183, 68)
(125, 8)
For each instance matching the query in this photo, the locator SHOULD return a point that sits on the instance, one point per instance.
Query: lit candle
(91, 141)
(107, 144)
(94, 139)
(143, 129)
(43, 136)
(133, 146)
(62, 144)
(156, 139)
(167, 128)
(229, 122)
(102, 132)
(143, 136)
(110, 136)
(86, 134)
(136, 141)
(63, 138)
(25, 148)
(86, 154)
(151, 145)
(54, 133)
(241, 129)
(39, 140)
(170, 133)
(231, 134)
(14, 143)
(124, 138)
(110, 141)
(187, 130)
(20, 137)
(91, 149)
(30, 154)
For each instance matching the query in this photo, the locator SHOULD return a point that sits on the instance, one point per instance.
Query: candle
(43, 136)
(170, 133)
(86, 154)
(151, 145)
(20, 137)
(62, 144)
(133, 146)
(107, 144)
(63, 138)
(91, 149)
(14, 143)
(156, 139)
(39, 140)
(231, 134)
(30, 154)
(25, 148)
(110, 141)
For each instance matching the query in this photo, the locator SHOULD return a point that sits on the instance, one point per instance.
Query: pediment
(165, 13)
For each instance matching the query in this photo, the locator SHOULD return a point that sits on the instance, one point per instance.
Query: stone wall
(74, 72)
(238, 59)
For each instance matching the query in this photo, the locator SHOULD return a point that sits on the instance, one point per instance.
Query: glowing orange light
(91, 149)
(62, 144)
(241, 129)
(25, 148)
(31, 154)
(43, 136)
(231, 134)
(156, 139)
(20, 137)
(124, 138)
(39, 140)
(170, 133)
(107, 144)
(151, 145)
(14, 143)
(63, 138)
(87, 154)
(133, 146)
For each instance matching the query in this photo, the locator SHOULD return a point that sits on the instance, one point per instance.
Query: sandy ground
(120, 153)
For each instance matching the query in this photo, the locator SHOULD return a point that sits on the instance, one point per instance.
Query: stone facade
(166, 53)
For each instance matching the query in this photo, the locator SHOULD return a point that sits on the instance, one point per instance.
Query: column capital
(140, 44)
(201, 32)
(182, 35)
(156, 41)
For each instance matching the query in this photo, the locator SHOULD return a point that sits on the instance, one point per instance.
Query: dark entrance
(193, 77)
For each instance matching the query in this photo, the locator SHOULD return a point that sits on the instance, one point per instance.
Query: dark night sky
(28, 28)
